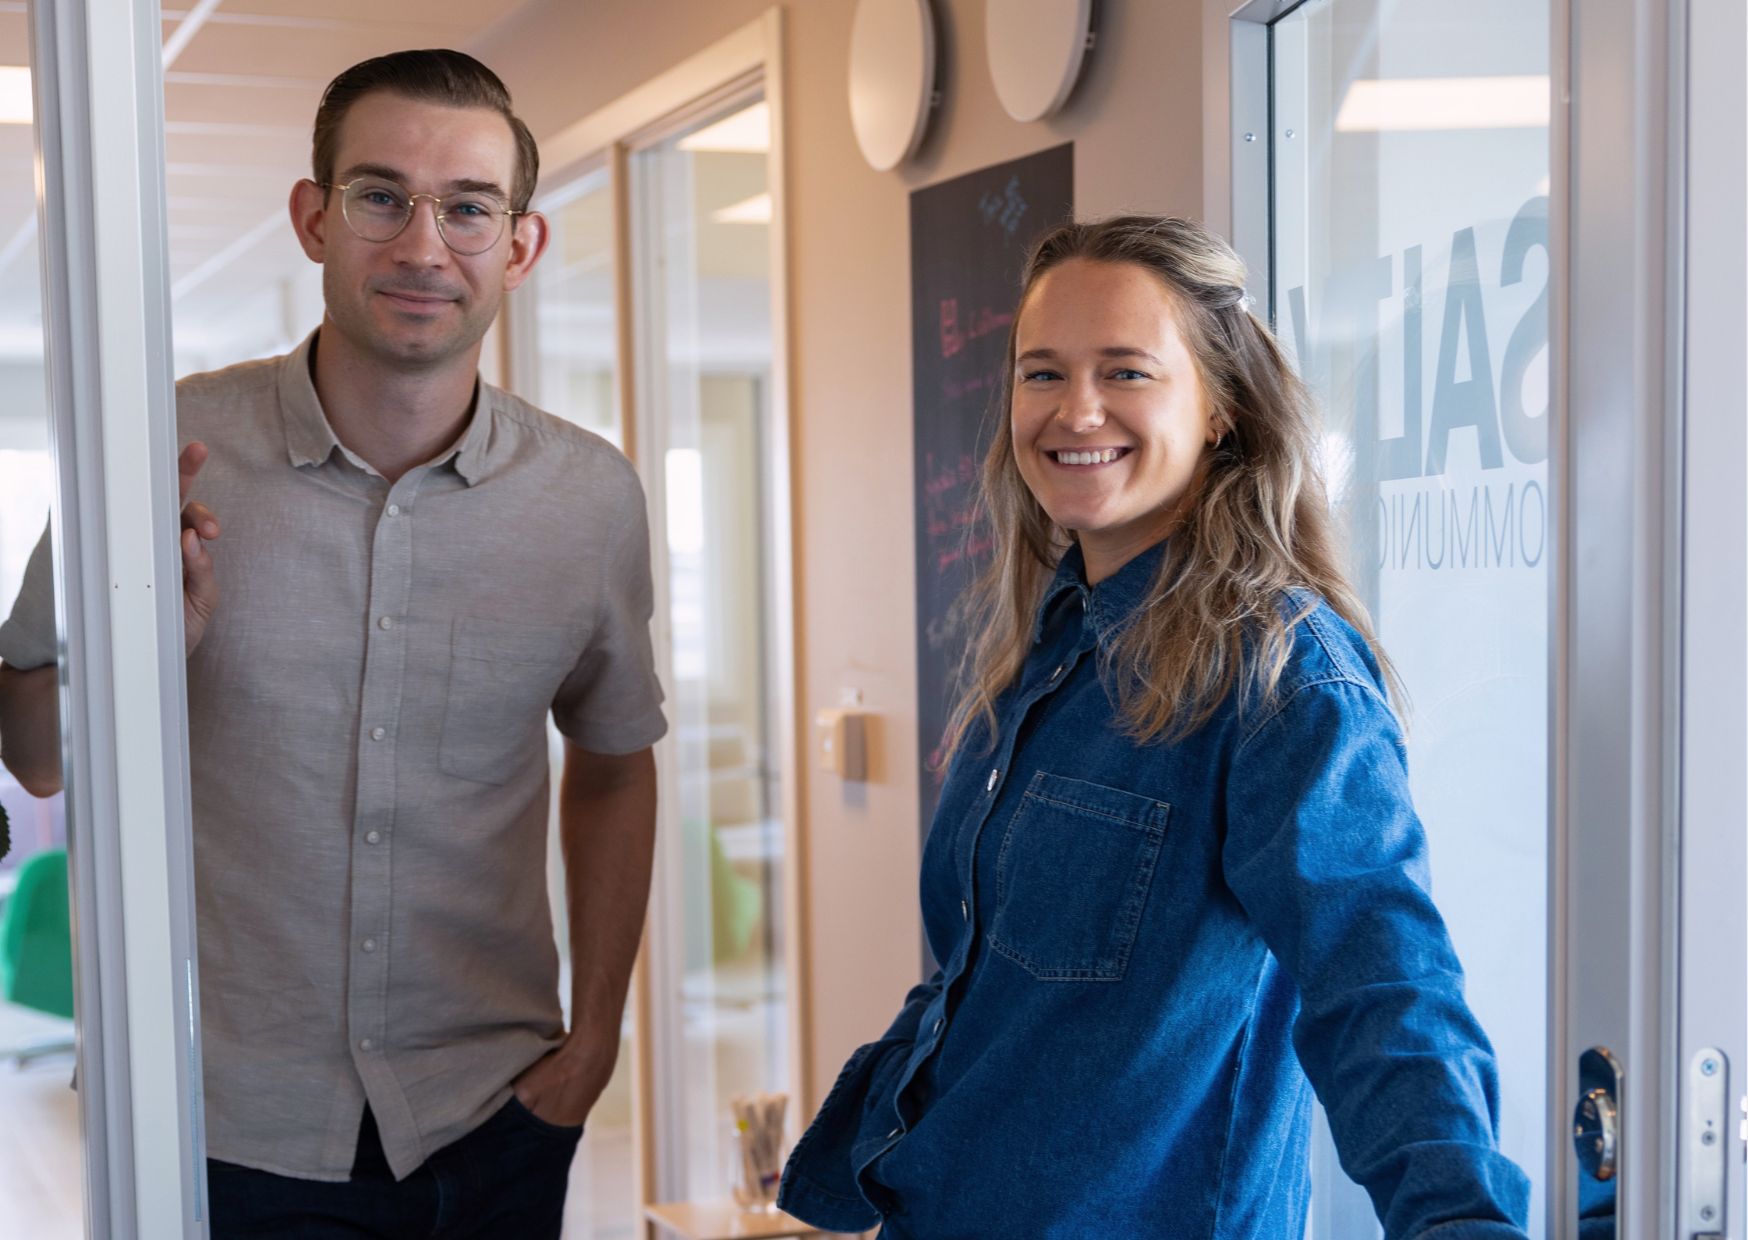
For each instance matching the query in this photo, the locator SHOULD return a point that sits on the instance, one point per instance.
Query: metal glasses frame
(412, 206)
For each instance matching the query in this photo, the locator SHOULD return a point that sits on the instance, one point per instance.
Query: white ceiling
(239, 98)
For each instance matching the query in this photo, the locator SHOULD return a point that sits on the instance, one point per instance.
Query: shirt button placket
(379, 707)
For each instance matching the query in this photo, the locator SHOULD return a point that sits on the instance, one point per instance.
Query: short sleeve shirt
(367, 745)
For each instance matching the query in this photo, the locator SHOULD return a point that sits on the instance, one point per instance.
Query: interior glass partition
(40, 1154)
(702, 205)
(567, 342)
(1410, 279)
(564, 348)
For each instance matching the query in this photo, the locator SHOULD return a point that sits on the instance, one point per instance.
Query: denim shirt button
(893, 1133)
(993, 776)
(938, 1023)
(964, 910)
(1058, 671)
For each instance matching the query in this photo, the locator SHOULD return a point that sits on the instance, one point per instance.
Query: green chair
(36, 937)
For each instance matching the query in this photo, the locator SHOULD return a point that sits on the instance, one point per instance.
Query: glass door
(40, 1155)
(701, 199)
(564, 342)
(99, 615)
(1410, 272)
(1504, 243)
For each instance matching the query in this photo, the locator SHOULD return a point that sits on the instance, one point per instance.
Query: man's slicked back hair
(435, 75)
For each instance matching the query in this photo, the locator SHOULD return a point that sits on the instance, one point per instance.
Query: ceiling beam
(186, 29)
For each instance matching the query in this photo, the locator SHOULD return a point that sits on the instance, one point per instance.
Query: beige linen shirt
(367, 742)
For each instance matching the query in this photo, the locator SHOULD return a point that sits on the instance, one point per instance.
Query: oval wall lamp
(892, 78)
(1036, 50)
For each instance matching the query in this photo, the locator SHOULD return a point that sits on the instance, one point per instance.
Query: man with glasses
(408, 571)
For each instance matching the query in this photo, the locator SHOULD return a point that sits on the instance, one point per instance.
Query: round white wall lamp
(1036, 50)
(892, 78)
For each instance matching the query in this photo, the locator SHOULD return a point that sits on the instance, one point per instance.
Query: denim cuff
(1472, 1229)
(822, 1208)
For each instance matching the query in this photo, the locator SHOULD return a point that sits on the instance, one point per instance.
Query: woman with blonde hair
(1175, 878)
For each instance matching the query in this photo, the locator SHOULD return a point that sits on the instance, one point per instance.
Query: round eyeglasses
(377, 209)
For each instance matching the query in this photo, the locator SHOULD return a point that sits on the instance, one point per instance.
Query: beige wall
(1136, 121)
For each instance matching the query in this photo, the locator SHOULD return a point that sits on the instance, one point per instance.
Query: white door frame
(106, 313)
(1713, 980)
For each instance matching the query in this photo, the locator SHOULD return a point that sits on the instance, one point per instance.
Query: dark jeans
(505, 1178)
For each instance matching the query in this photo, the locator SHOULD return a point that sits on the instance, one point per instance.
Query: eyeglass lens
(377, 210)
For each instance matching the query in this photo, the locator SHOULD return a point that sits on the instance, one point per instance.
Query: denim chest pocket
(1072, 878)
(502, 679)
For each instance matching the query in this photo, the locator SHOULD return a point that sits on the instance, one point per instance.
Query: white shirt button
(377, 734)
(394, 510)
(938, 1024)
(387, 622)
(368, 945)
(1057, 672)
(990, 786)
(965, 910)
(368, 1044)
(373, 837)
(893, 1133)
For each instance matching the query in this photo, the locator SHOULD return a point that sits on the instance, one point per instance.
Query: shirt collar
(473, 449)
(310, 440)
(1070, 579)
(1110, 603)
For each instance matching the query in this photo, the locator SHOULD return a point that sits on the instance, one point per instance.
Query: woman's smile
(1086, 460)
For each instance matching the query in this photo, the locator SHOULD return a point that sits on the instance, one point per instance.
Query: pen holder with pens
(758, 1136)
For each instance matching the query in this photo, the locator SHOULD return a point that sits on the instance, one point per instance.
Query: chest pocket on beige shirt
(502, 679)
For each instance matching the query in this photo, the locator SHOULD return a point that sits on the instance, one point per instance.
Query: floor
(39, 1136)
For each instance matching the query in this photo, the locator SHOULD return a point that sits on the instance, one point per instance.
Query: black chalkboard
(968, 240)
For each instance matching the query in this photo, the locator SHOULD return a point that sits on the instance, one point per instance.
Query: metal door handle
(1596, 1140)
(1596, 1133)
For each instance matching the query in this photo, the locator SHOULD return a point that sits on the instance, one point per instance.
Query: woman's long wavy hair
(1218, 620)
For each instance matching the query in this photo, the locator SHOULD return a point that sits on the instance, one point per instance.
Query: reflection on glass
(575, 350)
(40, 1172)
(703, 202)
(1410, 282)
(567, 362)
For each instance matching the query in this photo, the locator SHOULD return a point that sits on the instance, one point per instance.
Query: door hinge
(1708, 1118)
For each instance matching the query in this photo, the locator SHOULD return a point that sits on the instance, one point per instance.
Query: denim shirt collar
(1109, 604)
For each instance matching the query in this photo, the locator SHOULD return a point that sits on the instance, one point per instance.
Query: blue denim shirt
(1147, 950)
